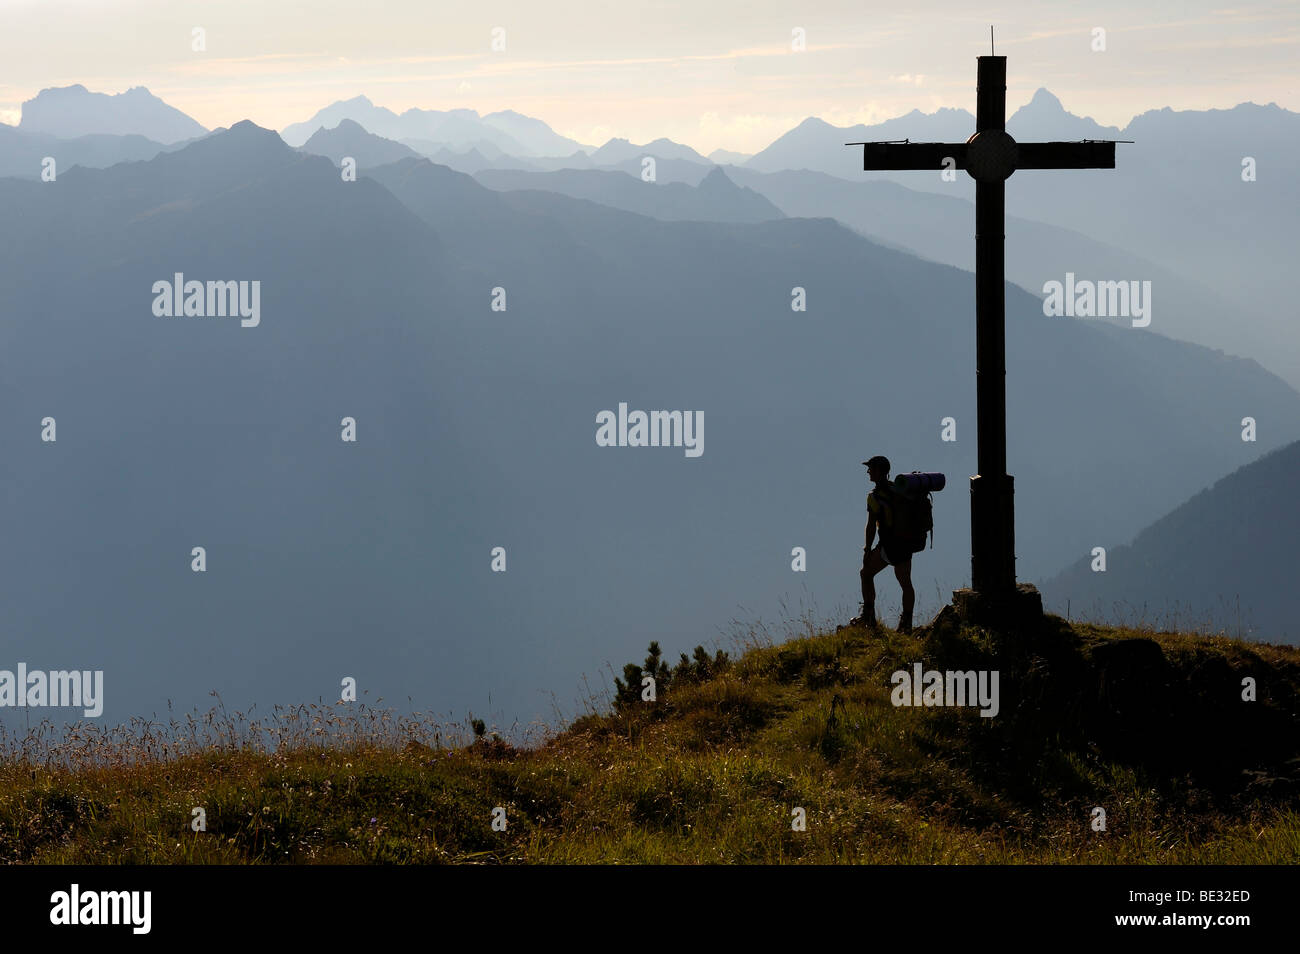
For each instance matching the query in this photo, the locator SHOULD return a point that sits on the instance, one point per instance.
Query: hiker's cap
(877, 461)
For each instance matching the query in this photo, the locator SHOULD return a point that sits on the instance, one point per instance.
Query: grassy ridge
(712, 770)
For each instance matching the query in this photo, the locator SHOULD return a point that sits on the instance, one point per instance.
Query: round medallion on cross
(991, 155)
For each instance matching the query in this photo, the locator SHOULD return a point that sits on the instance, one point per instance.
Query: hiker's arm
(871, 530)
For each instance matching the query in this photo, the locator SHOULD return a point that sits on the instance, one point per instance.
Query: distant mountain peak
(245, 135)
(246, 127)
(1045, 99)
(68, 112)
(351, 139)
(1045, 116)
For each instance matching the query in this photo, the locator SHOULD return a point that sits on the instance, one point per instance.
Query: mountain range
(1174, 211)
(1197, 192)
(509, 131)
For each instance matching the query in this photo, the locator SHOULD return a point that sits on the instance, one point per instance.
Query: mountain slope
(790, 753)
(1225, 559)
(939, 227)
(535, 136)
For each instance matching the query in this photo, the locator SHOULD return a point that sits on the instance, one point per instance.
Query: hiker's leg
(872, 563)
(903, 571)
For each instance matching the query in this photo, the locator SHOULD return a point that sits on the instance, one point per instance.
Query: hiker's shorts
(885, 555)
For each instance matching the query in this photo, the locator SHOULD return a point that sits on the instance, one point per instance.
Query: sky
(709, 73)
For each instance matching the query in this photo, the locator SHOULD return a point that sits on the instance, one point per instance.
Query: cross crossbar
(1089, 154)
(887, 156)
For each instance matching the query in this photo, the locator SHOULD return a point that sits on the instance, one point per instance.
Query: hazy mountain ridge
(23, 154)
(509, 131)
(717, 198)
(1136, 223)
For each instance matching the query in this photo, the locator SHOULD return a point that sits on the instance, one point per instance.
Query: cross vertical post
(993, 562)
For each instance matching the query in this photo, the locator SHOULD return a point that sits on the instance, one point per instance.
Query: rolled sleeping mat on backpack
(919, 482)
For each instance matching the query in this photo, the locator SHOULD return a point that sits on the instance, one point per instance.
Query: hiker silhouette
(882, 516)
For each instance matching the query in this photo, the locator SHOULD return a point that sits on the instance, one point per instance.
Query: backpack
(911, 514)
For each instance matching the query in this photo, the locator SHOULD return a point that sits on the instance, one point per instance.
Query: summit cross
(990, 156)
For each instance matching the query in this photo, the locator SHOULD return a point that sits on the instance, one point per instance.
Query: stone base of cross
(1011, 608)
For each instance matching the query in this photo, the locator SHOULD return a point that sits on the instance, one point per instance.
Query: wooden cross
(990, 156)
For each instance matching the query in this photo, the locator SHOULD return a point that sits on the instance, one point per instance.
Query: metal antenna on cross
(990, 157)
